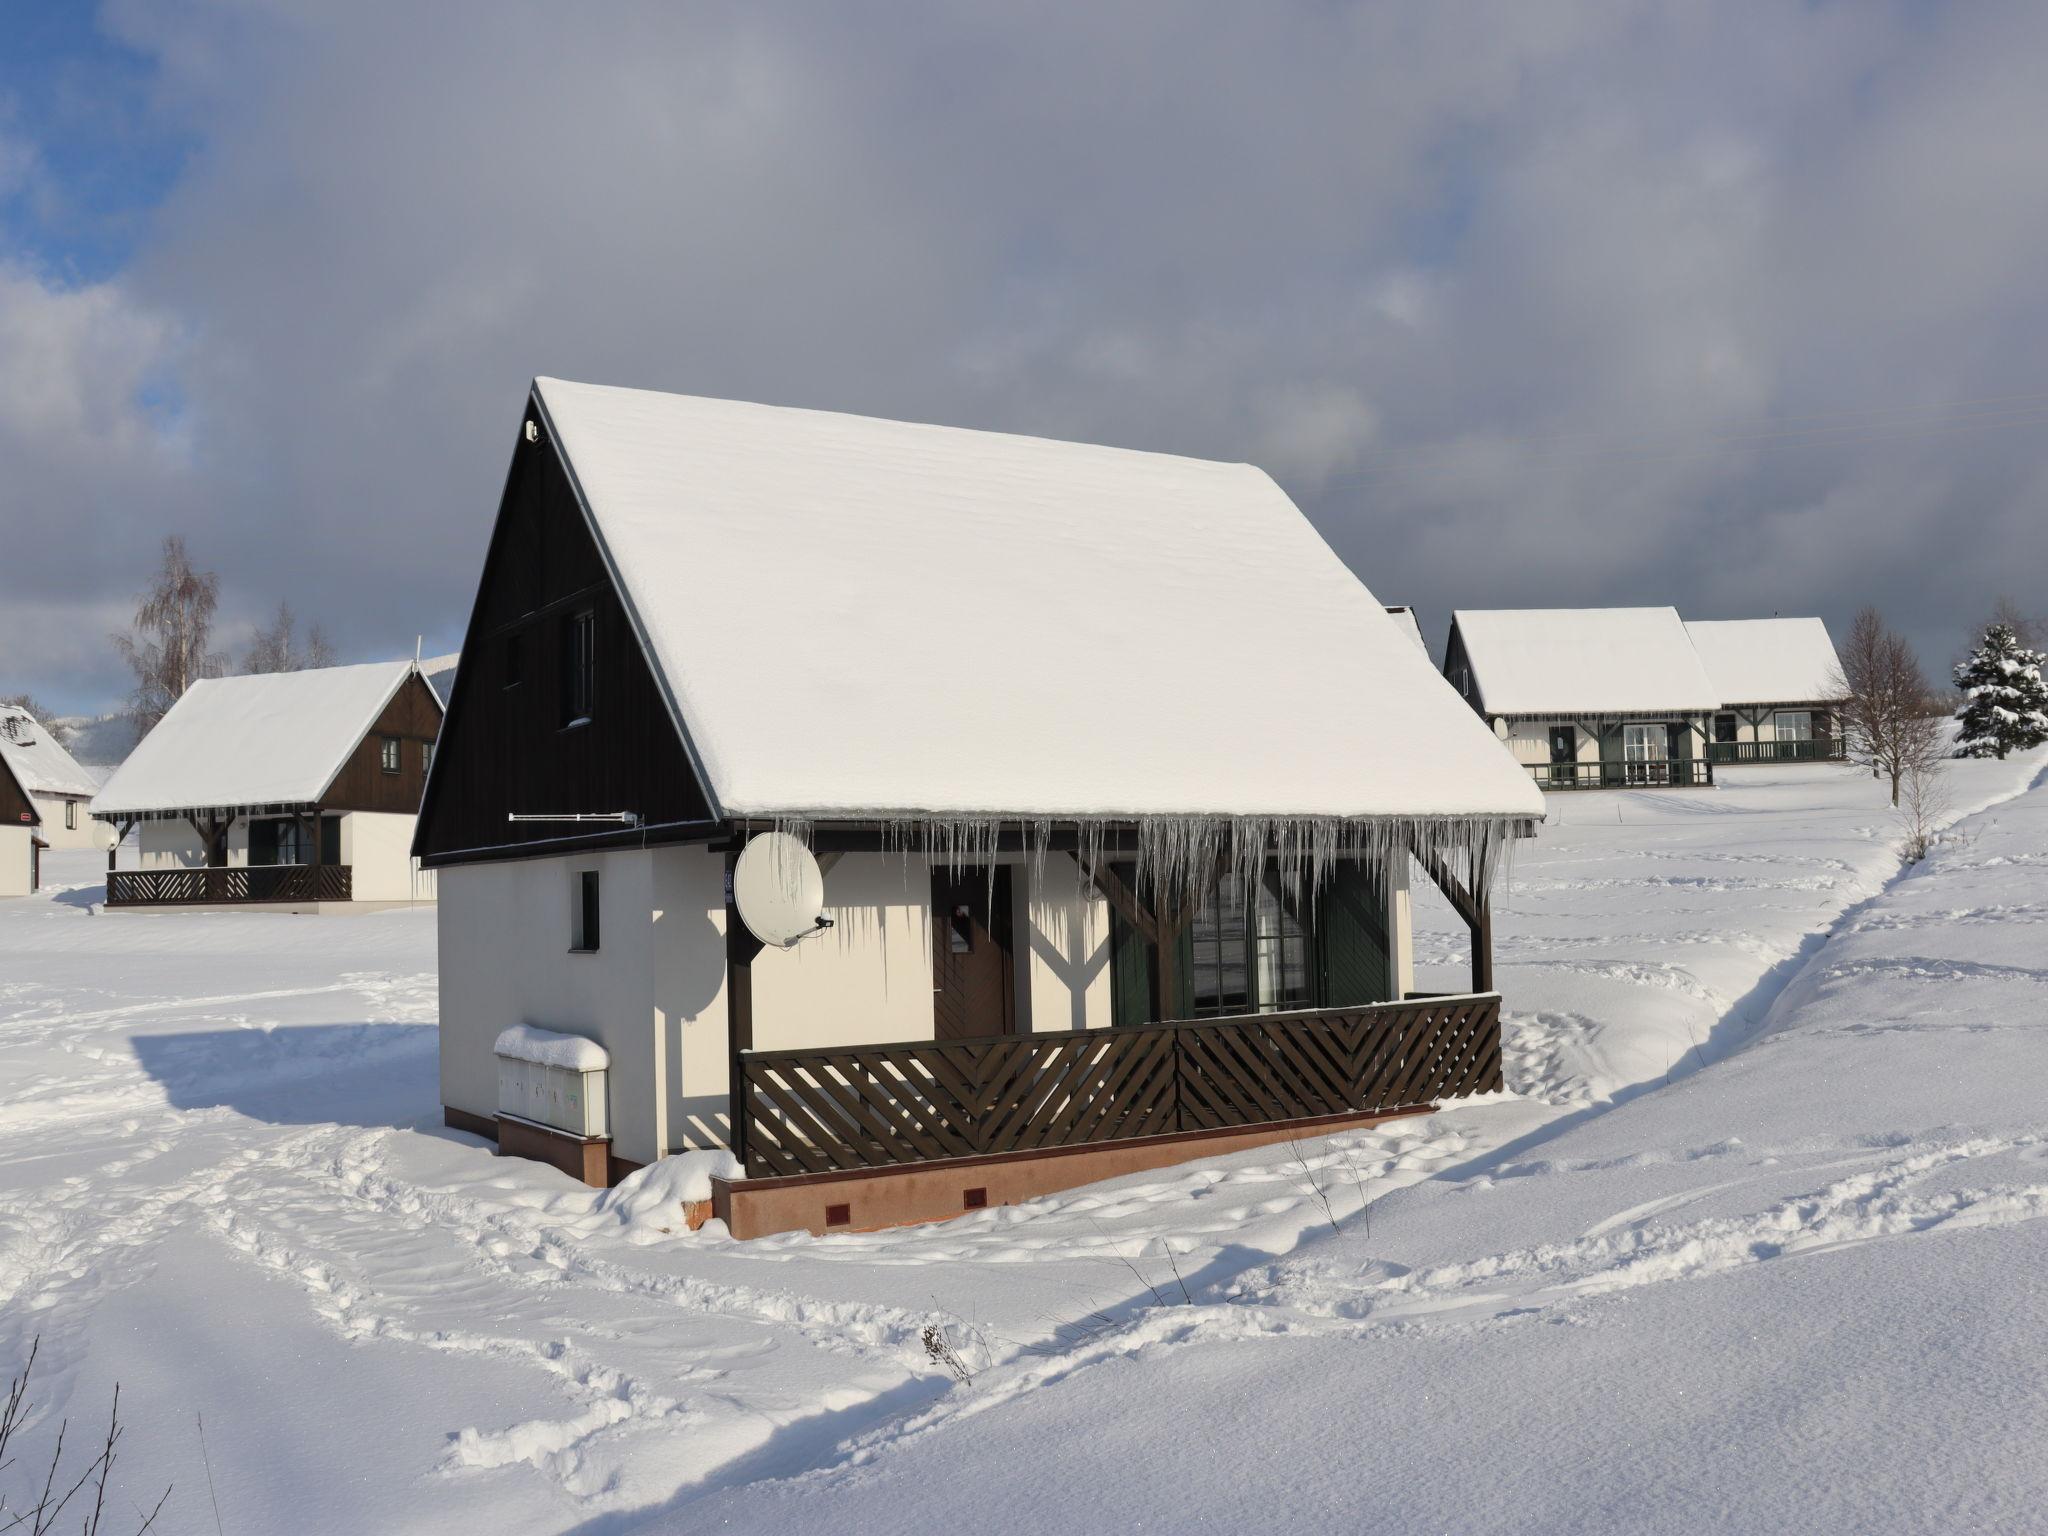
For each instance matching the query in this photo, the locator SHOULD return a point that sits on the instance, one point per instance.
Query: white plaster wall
(504, 955)
(87, 834)
(171, 845)
(1065, 947)
(16, 857)
(1529, 741)
(377, 847)
(865, 980)
(689, 993)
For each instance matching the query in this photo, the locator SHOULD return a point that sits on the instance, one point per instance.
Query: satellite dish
(779, 889)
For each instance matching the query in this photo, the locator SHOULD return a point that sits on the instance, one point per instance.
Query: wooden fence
(238, 883)
(824, 1111)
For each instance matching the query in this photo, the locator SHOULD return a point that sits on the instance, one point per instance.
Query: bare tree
(167, 648)
(1891, 718)
(278, 648)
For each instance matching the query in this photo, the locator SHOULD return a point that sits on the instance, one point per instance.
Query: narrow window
(579, 666)
(426, 757)
(583, 914)
(70, 815)
(389, 754)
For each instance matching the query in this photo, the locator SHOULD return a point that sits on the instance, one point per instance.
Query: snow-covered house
(21, 843)
(1779, 685)
(61, 790)
(292, 788)
(1410, 625)
(1110, 881)
(1586, 697)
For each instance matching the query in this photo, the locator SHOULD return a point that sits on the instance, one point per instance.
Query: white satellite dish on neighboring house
(779, 889)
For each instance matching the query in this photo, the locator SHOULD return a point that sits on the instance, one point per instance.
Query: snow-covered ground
(1751, 1249)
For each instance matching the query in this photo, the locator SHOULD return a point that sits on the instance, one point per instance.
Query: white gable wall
(377, 847)
(86, 834)
(16, 859)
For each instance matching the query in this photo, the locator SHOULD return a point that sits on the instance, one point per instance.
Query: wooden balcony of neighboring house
(1650, 773)
(1818, 749)
(869, 1135)
(250, 885)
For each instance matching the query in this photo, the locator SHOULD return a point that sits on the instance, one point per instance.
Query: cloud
(1526, 303)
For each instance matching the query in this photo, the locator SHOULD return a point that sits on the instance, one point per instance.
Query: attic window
(388, 754)
(579, 666)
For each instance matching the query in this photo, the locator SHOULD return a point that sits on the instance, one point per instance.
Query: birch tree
(167, 648)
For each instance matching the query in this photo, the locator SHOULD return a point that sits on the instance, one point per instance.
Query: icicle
(1183, 855)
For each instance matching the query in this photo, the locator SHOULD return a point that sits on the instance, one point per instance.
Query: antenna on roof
(417, 641)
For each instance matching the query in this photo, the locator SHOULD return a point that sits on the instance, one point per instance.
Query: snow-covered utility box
(553, 1079)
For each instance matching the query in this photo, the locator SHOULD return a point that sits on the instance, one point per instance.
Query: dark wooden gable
(1458, 666)
(413, 720)
(507, 745)
(16, 809)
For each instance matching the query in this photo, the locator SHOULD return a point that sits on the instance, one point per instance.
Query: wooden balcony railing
(826, 1111)
(1670, 772)
(1821, 749)
(241, 883)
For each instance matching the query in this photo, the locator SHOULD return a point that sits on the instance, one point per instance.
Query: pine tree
(2005, 701)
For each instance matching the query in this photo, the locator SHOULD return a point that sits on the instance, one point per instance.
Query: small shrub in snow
(44, 1499)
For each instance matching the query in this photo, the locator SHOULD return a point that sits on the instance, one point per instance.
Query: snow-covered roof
(274, 738)
(439, 671)
(1594, 661)
(1766, 661)
(1405, 617)
(863, 617)
(40, 763)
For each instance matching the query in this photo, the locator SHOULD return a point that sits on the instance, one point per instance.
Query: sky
(1735, 307)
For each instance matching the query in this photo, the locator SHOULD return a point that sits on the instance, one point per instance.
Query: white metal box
(561, 1098)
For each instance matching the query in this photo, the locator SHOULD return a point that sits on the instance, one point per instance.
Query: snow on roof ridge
(952, 610)
(258, 738)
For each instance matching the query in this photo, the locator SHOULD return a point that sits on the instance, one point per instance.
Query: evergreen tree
(2005, 701)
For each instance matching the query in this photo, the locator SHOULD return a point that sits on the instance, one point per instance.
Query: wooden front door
(973, 973)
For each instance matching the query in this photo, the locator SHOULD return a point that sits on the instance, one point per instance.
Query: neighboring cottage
(21, 843)
(60, 789)
(1585, 697)
(294, 789)
(1590, 698)
(1023, 701)
(1406, 618)
(1779, 684)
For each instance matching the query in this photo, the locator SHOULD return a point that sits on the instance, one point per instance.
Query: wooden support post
(1474, 908)
(740, 949)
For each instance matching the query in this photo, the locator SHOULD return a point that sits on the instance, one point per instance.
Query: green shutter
(1351, 941)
